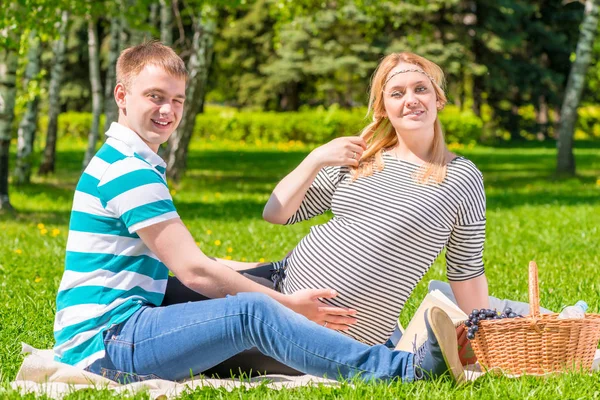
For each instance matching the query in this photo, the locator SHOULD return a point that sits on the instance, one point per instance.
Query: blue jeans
(182, 340)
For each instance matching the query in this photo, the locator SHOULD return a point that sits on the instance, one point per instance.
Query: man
(125, 236)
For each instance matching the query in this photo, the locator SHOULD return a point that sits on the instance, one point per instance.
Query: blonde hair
(380, 134)
(134, 59)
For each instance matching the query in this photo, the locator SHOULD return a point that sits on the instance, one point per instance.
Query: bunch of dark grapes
(486, 314)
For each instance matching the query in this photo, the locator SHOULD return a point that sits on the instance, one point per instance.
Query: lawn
(531, 216)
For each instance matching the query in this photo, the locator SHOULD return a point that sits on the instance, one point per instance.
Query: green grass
(531, 216)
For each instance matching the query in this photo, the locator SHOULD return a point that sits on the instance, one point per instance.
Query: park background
(272, 79)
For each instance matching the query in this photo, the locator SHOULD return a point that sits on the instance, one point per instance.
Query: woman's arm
(289, 193)
(471, 294)
(464, 252)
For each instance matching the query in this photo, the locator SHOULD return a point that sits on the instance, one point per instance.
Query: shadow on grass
(266, 164)
(537, 180)
(235, 210)
(513, 177)
(511, 200)
(546, 144)
(523, 161)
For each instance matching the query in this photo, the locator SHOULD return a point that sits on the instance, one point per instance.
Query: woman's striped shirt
(386, 232)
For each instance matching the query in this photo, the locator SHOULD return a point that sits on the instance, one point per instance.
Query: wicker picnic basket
(537, 344)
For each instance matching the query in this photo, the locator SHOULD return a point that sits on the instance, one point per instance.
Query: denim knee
(256, 298)
(257, 303)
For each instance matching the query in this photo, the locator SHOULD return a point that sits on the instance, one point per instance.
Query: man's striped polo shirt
(109, 272)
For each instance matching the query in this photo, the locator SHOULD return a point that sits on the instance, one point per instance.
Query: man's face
(152, 106)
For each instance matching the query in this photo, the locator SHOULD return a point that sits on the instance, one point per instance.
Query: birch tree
(56, 76)
(111, 111)
(568, 114)
(17, 17)
(166, 22)
(8, 77)
(96, 86)
(198, 66)
(28, 124)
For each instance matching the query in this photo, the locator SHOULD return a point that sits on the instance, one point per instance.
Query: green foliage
(530, 215)
(280, 56)
(461, 126)
(70, 124)
(319, 125)
(283, 55)
(306, 126)
(588, 123)
(309, 126)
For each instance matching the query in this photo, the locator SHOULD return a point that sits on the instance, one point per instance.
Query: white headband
(410, 70)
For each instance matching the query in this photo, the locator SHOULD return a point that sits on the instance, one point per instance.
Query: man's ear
(120, 93)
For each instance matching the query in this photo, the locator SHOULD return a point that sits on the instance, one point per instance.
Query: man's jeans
(178, 341)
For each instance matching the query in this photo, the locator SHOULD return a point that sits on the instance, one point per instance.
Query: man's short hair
(134, 59)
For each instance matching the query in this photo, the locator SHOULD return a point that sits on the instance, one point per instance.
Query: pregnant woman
(398, 197)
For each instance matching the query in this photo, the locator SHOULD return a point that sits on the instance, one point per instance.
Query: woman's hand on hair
(345, 150)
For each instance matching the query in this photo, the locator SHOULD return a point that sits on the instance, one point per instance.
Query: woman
(398, 197)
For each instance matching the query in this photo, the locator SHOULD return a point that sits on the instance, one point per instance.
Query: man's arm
(175, 247)
(239, 265)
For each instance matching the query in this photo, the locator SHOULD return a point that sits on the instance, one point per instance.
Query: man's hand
(465, 351)
(307, 302)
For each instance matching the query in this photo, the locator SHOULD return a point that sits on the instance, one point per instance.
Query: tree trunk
(198, 66)
(28, 125)
(568, 114)
(166, 22)
(111, 111)
(478, 80)
(153, 19)
(58, 69)
(542, 110)
(8, 76)
(541, 118)
(96, 90)
(460, 89)
(514, 119)
(290, 98)
(124, 36)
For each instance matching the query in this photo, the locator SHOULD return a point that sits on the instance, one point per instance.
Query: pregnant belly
(378, 303)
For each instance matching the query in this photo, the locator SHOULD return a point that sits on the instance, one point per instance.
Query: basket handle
(534, 290)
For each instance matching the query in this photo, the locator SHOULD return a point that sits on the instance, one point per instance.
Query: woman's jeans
(178, 341)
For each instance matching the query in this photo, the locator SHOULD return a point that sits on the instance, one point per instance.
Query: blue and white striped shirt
(109, 272)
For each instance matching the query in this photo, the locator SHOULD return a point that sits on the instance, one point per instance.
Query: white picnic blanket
(40, 374)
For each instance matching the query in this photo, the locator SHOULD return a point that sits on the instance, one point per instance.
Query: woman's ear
(440, 105)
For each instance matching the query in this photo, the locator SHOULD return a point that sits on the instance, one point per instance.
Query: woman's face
(410, 100)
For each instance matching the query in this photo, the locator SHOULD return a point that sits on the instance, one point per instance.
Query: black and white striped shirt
(386, 232)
